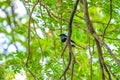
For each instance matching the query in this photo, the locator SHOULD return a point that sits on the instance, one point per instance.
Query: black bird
(63, 38)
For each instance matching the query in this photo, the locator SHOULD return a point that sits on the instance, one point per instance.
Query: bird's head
(63, 35)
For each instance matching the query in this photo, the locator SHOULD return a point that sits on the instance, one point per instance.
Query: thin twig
(29, 49)
(112, 38)
(62, 54)
(67, 67)
(73, 63)
(106, 69)
(109, 67)
(39, 42)
(90, 58)
(109, 20)
(61, 16)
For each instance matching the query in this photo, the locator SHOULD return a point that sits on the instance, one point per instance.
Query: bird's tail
(79, 46)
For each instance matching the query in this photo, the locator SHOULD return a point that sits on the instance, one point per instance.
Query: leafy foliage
(50, 18)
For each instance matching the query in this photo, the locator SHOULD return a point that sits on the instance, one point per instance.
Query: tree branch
(69, 39)
(92, 31)
(108, 49)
